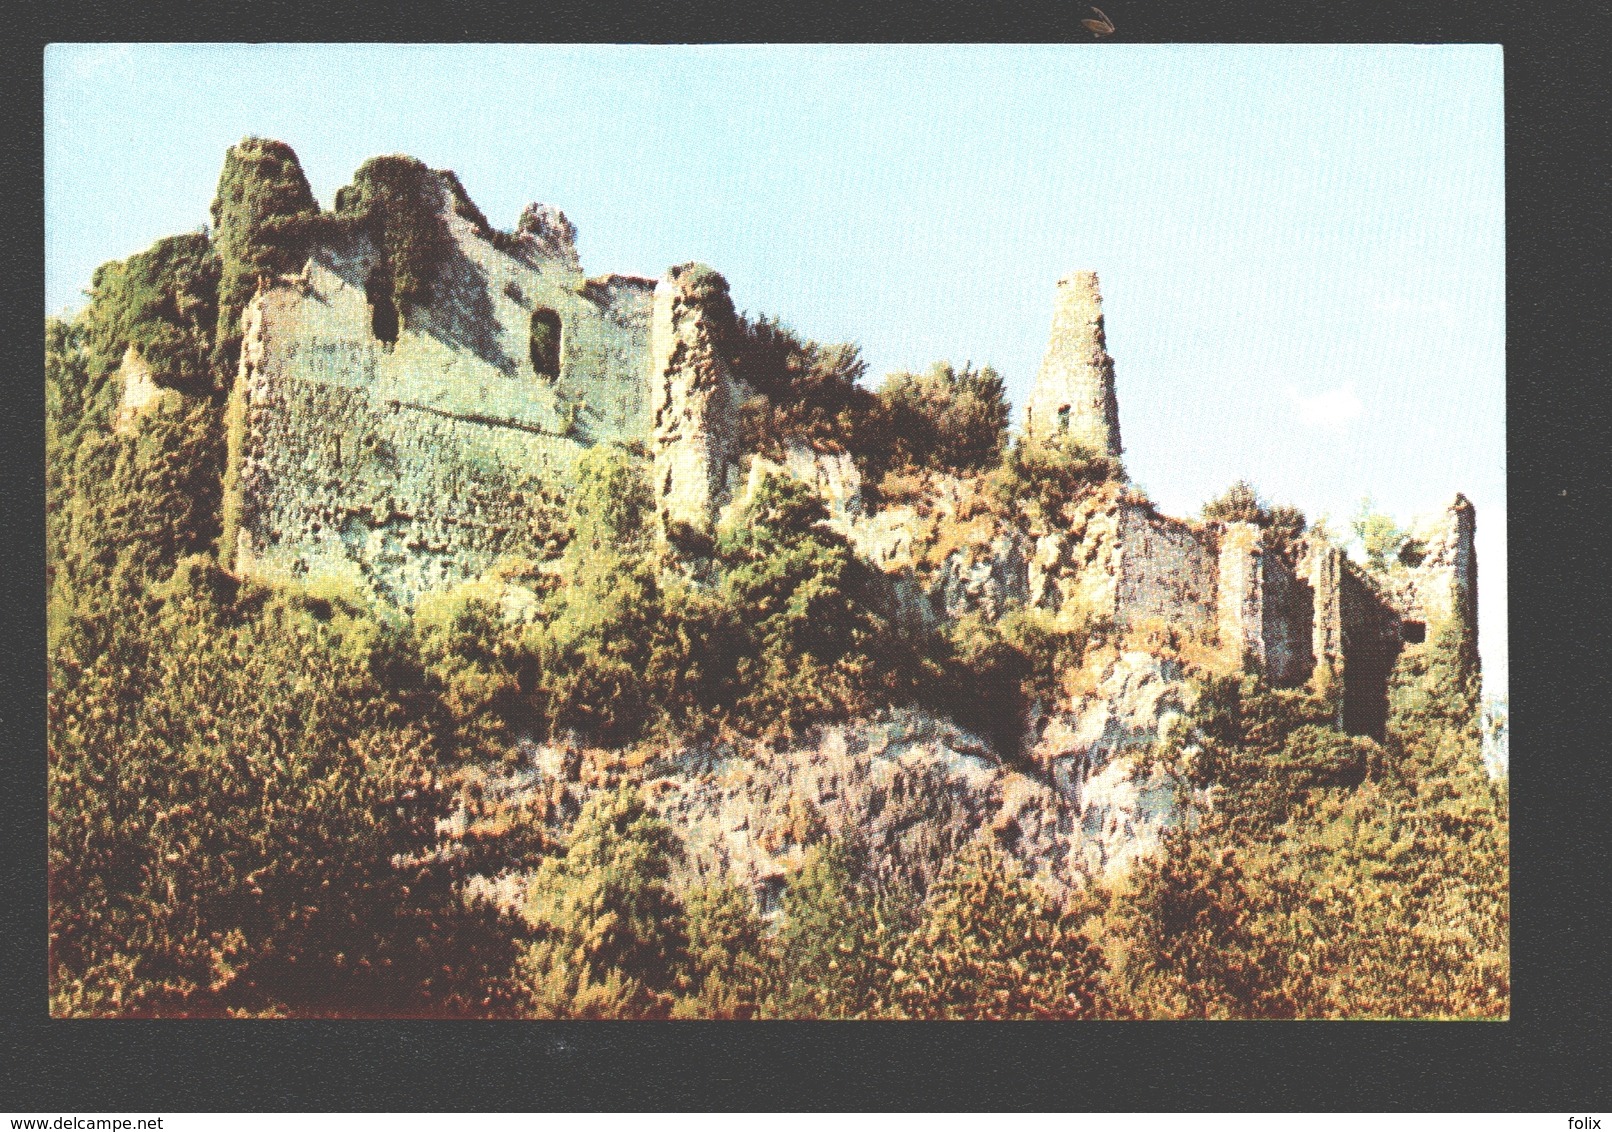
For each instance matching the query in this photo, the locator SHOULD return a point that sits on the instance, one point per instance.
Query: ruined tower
(692, 394)
(1074, 389)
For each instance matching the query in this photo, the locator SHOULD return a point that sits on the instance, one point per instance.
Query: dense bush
(1196, 939)
(809, 393)
(1241, 503)
(264, 218)
(395, 200)
(1266, 749)
(1041, 476)
(991, 945)
(243, 819)
(821, 646)
(947, 419)
(610, 933)
(163, 302)
(123, 506)
(833, 948)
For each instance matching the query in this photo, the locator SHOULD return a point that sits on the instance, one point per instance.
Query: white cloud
(1330, 408)
(93, 60)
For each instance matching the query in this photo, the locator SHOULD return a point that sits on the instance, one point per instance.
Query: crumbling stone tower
(1074, 389)
(693, 396)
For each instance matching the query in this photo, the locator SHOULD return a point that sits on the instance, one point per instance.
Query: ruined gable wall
(1167, 568)
(1443, 587)
(1371, 643)
(693, 394)
(1288, 627)
(407, 466)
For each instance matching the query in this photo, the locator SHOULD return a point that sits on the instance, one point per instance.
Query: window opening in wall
(1412, 553)
(769, 895)
(383, 316)
(545, 343)
(1413, 632)
(1063, 419)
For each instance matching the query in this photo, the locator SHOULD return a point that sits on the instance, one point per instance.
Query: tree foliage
(992, 946)
(396, 201)
(809, 393)
(1040, 476)
(1241, 503)
(265, 217)
(610, 936)
(833, 946)
(948, 419)
(243, 820)
(1380, 537)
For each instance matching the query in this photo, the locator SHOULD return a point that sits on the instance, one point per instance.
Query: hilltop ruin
(406, 449)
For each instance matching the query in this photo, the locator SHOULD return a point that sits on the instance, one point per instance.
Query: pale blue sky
(1301, 249)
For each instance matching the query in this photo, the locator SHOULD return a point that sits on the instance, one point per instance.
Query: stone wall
(405, 465)
(1371, 633)
(1167, 569)
(1288, 626)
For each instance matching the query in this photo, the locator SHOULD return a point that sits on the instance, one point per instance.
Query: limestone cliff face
(909, 788)
(693, 397)
(1096, 747)
(1074, 389)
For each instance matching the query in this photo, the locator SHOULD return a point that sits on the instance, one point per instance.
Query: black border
(1553, 1055)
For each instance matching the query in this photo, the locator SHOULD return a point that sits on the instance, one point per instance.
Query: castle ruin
(406, 454)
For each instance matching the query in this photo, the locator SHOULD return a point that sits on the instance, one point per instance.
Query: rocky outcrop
(1099, 748)
(140, 390)
(908, 788)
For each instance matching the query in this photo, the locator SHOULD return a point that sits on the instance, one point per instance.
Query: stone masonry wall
(1167, 569)
(408, 465)
(693, 391)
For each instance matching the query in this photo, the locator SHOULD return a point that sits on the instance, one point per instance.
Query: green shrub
(728, 953)
(122, 507)
(947, 419)
(265, 218)
(163, 302)
(822, 649)
(833, 950)
(992, 946)
(810, 394)
(1241, 503)
(1198, 938)
(1041, 476)
(611, 936)
(243, 819)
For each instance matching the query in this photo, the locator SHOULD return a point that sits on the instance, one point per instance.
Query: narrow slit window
(1063, 419)
(383, 316)
(545, 343)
